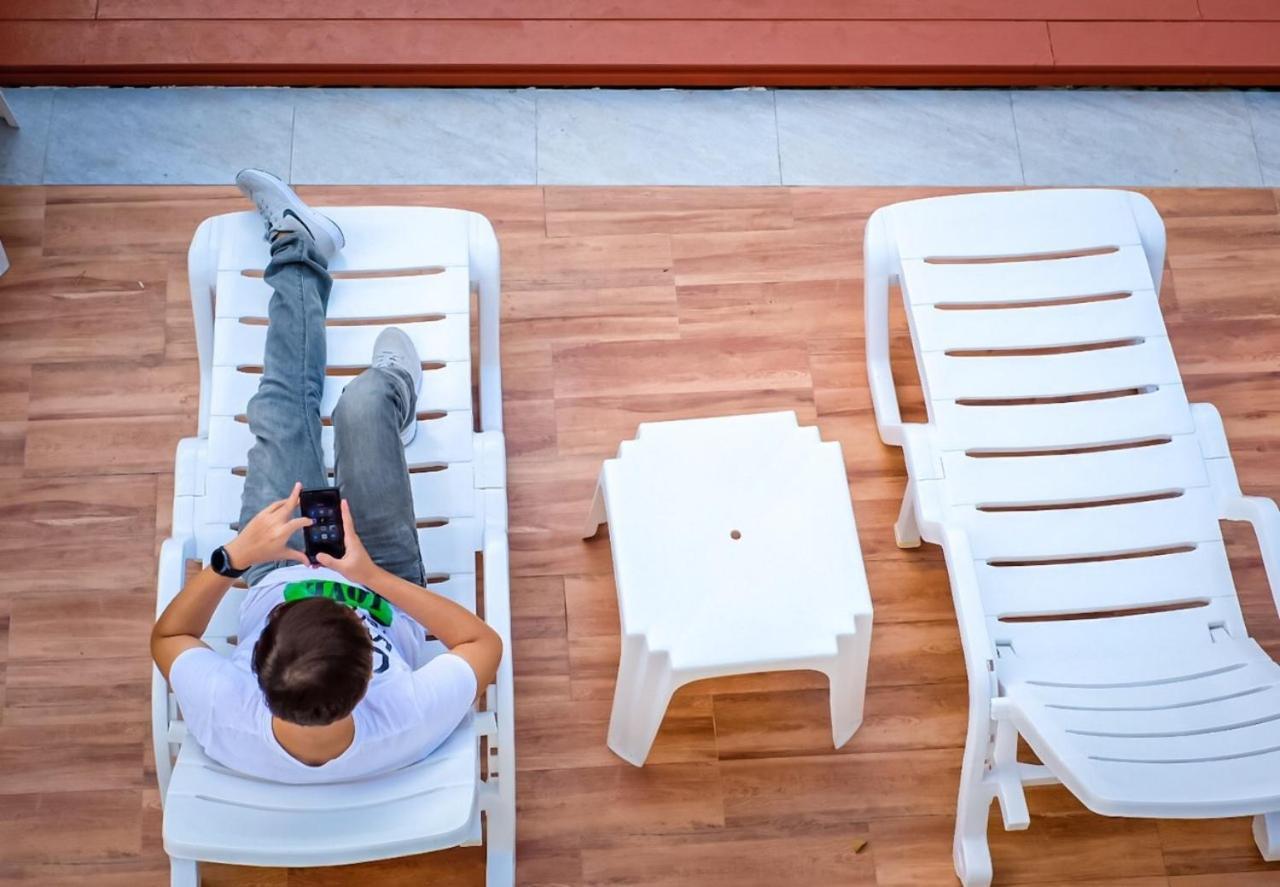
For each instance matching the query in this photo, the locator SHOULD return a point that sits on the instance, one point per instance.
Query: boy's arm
(180, 625)
(465, 634)
(265, 538)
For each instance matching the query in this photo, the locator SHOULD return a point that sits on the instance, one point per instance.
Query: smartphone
(324, 507)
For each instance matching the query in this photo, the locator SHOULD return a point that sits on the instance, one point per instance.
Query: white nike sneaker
(283, 210)
(394, 349)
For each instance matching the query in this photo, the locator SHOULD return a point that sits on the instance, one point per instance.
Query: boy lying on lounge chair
(331, 678)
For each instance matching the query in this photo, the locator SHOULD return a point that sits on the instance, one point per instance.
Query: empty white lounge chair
(1076, 495)
(428, 261)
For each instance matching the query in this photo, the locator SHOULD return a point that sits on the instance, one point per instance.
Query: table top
(734, 540)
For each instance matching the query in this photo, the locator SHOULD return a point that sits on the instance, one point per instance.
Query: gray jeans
(284, 416)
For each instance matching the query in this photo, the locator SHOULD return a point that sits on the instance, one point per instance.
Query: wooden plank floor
(620, 305)
(654, 43)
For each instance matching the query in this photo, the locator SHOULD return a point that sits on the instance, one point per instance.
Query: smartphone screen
(324, 507)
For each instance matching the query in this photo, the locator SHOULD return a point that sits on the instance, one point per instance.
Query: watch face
(220, 562)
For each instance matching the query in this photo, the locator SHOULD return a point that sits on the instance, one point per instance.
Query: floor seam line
(777, 137)
(1017, 139)
(1253, 137)
(293, 131)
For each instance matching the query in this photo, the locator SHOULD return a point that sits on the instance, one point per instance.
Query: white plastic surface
(426, 262)
(429, 805)
(735, 551)
(1077, 496)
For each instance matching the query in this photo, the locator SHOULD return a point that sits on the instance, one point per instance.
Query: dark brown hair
(313, 661)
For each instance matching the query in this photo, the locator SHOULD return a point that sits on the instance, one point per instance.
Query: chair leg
(500, 848)
(1266, 832)
(640, 697)
(847, 676)
(972, 854)
(597, 515)
(970, 851)
(906, 532)
(1004, 771)
(184, 872)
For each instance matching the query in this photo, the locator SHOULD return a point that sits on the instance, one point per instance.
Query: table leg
(640, 697)
(597, 516)
(847, 675)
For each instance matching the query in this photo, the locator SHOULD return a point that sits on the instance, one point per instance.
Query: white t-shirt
(412, 705)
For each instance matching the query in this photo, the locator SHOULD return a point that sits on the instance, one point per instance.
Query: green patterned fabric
(352, 595)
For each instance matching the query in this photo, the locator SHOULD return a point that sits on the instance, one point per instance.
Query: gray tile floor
(646, 137)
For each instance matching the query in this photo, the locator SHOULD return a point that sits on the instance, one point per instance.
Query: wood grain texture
(519, 10)
(47, 9)
(656, 43)
(1166, 46)
(620, 306)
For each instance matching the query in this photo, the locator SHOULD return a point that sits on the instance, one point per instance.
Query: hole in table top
(735, 535)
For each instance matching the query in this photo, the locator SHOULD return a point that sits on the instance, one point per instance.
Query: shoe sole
(279, 189)
(408, 433)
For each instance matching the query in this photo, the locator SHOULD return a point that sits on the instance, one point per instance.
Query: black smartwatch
(221, 563)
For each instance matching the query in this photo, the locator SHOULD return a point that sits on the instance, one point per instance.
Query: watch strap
(220, 560)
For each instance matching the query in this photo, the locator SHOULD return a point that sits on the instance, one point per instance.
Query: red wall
(658, 42)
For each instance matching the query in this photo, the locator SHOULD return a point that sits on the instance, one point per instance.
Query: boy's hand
(356, 564)
(266, 537)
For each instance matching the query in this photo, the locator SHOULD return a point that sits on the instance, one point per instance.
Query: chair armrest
(501, 696)
(1264, 516)
(497, 588)
(979, 651)
(486, 274)
(172, 572)
(878, 271)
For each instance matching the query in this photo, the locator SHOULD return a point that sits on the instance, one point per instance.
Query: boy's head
(313, 660)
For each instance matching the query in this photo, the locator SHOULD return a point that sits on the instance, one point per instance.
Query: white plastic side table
(734, 551)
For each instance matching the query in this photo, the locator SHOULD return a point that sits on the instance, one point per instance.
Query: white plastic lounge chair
(1076, 495)
(442, 254)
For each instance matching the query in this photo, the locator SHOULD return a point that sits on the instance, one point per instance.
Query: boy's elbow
(494, 647)
(158, 639)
